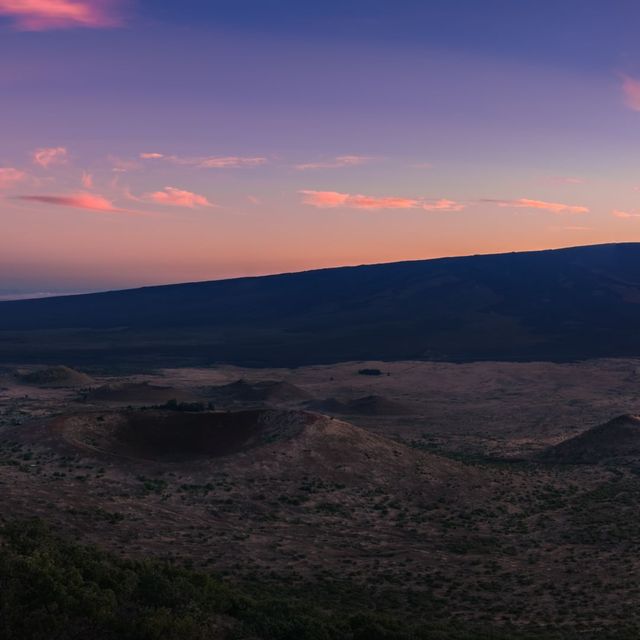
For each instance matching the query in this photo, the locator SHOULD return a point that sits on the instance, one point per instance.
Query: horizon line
(26, 296)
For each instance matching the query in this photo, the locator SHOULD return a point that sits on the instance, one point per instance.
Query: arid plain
(425, 486)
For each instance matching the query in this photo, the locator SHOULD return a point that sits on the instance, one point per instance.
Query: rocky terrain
(479, 490)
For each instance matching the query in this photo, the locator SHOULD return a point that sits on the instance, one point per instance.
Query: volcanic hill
(615, 441)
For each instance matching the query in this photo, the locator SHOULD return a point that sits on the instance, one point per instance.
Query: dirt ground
(437, 505)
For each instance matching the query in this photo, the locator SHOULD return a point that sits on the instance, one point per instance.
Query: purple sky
(170, 141)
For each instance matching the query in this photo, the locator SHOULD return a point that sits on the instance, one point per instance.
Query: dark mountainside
(561, 304)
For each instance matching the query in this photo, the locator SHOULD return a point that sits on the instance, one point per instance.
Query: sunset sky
(157, 141)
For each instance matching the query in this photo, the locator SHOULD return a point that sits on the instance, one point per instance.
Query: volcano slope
(558, 305)
(268, 490)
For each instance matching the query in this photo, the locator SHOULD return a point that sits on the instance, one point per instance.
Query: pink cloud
(87, 201)
(333, 199)
(368, 202)
(443, 205)
(552, 207)
(41, 15)
(49, 156)
(631, 91)
(337, 163)
(325, 199)
(178, 198)
(617, 213)
(209, 162)
(10, 176)
(253, 200)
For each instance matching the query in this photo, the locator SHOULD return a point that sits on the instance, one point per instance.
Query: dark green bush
(54, 589)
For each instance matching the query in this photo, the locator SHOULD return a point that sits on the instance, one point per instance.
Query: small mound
(136, 392)
(267, 391)
(60, 376)
(332, 448)
(366, 406)
(615, 441)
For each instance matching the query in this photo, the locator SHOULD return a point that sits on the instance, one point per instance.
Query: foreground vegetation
(52, 588)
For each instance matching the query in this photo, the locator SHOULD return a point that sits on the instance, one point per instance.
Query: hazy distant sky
(158, 141)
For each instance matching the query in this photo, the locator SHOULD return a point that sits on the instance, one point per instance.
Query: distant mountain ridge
(550, 305)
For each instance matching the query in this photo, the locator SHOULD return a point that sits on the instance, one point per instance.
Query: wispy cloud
(334, 199)
(121, 165)
(336, 163)
(178, 198)
(208, 162)
(389, 202)
(10, 176)
(87, 201)
(617, 213)
(42, 15)
(443, 205)
(551, 207)
(631, 92)
(226, 162)
(87, 180)
(48, 156)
